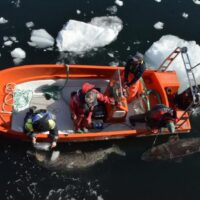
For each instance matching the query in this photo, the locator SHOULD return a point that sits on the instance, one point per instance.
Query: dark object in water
(73, 160)
(173, 149)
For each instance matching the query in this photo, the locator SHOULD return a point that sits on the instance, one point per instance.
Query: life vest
(39, 122)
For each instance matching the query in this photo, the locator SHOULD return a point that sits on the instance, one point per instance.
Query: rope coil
(16, 98)
(8, 99)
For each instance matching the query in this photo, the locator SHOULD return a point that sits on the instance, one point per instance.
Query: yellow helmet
(52, 124)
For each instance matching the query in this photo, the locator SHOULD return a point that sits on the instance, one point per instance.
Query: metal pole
(120, 82)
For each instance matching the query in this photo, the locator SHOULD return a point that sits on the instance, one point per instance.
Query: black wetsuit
(137, 69)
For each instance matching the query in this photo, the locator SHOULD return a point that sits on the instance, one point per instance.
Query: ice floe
(29, 24)
(111, 54)
(158, 25)
(160, 49)
(196, 2)
(3, 20)
(185, 15)
(78, 12)
(16, 3)
(5, 38)
(112, 9)
(8, 43)
(119, 2)
(18, 55)
(77, 36)
(41, 39)
(13, 38)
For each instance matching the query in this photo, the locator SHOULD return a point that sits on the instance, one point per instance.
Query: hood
(86, 87)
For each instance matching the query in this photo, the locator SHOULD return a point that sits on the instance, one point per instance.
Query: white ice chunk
(5, 38)
(185, 15)
(196, 2)
(41, 39)
(3, 20)
(137, 42)
(8, 43)
(159, 50)
(158, 1)
(18, 55)
(112, 9)
(100, 197)
(17, 61)
(16, 3)
(78, 12)
(158, 25)
(13, 38)
(128, 48)
(79, 37)
(32, 44)
(29, 24)
(111, 54)
(119, 2)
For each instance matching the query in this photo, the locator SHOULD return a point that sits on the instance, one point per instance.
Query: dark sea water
(117, 177)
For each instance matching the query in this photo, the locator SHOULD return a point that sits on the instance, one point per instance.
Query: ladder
(190, 74)
(167, 62)
(188, 112)
(195, 90)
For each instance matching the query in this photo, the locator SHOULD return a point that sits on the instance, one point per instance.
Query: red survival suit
(160, 116)
(81, 111)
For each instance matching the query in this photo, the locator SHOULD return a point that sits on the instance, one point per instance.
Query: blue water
(117, 177)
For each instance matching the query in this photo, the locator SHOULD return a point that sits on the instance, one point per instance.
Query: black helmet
(139, 56)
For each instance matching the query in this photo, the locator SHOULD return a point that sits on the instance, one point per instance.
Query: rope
(8, 99)
(16, 98)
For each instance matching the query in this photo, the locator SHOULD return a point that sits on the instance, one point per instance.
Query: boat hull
(158, 81)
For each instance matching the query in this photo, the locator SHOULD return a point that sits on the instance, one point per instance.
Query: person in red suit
(82, 105)
(158, 117)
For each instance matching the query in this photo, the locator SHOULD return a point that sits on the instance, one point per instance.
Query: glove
(33, 140)
(53, 144)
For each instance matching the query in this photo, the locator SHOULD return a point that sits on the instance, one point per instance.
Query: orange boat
(30, 85)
